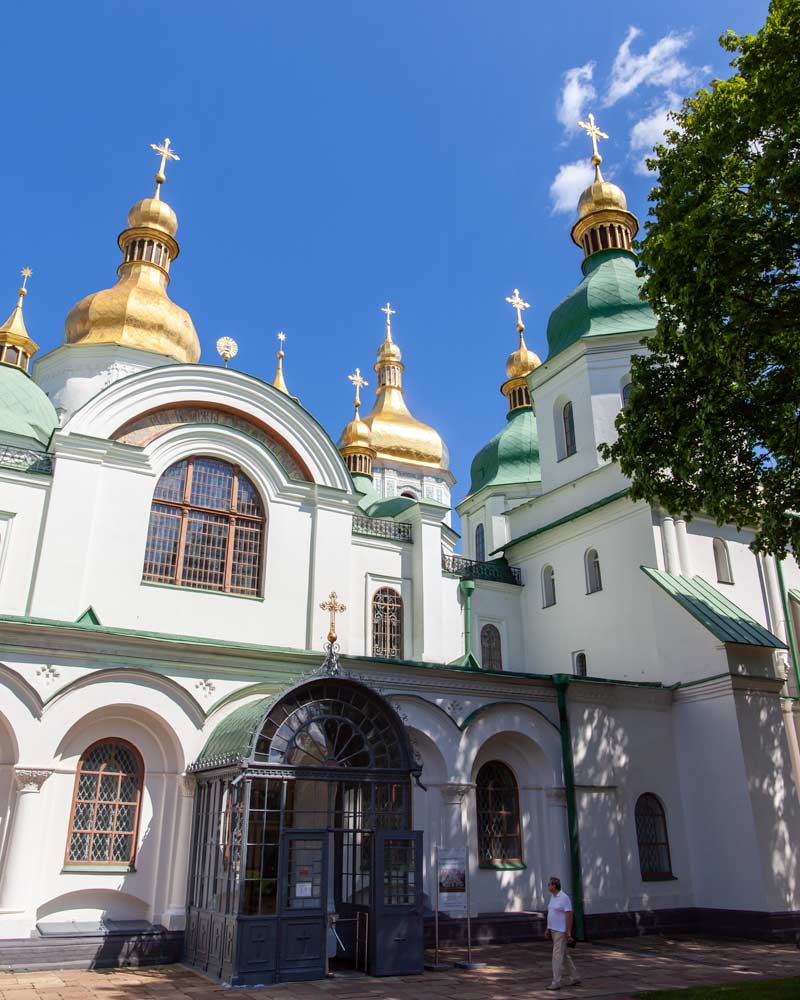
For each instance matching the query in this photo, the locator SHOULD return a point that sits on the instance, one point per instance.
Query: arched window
(480, 544)
(594, 581)
(387, 623)
(548, 587)
(498, 814)
(722, 562)
(569, 430)
(626, 393)
(651, 836)
(105, 805)
(206, 528)
(491, 653)
(579, 663)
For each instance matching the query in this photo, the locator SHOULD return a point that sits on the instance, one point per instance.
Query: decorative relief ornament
(30, 779)
(48, 673)
(205, 687)
(227, 348)
(454, 793)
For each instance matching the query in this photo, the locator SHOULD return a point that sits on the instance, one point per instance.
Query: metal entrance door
(303, 888)
(397, 941)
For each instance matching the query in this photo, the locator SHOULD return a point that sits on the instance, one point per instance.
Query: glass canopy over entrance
(302, 848)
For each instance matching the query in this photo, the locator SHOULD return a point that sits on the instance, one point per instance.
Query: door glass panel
(399, 873)
(304, 875)
(356, 857)
(307, 805)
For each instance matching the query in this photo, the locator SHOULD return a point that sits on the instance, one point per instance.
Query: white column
(684, 551)
(24, 851)
(174, 918)
(454, 833)
(670, 542)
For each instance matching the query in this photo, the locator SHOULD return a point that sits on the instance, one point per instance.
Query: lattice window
(206, 528)
(105, 805)
(491, 654)
(651, 835)
(387, 623)
(498, 814)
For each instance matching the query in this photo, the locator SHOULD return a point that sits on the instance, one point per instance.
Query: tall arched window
(387, 623)
(206, 528)
(491, 654)
(480, 544)
(548, 587)
(569, 430)
(722, 562)
(627, 389)
(499, 837)
(105, 805)
(651, 836)
(594, 581)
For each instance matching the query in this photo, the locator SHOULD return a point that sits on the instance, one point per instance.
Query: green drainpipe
(466, 587)
(561, 682)
(789, 629)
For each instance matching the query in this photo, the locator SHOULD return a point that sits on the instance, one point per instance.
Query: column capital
(187, 785)
(455, 792)
(30, 779)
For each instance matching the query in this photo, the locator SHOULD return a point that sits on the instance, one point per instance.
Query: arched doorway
(302, 847)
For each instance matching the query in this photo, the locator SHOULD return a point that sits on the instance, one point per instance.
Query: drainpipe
(788, 626)
(561, 682)
(466, 587)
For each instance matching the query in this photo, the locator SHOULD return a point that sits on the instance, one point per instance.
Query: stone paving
(613, 970)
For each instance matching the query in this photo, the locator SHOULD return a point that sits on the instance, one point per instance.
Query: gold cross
(594, 134)
(334, 607)
(281, 337)
(26, 273)
(389, 313)
(166, 153)
(359, 383)
(515, 301)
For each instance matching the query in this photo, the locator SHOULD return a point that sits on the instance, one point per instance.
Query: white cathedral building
(594, 688)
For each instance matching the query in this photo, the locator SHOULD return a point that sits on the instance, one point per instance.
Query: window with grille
(480, 544)
(491, 655)
(569, 430)
(206, 528)
(387, 623)
(651, 836)
(594, 581)
(105, 805)
(498, 814)
(627, 389)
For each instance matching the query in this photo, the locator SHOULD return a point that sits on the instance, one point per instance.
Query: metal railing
(25, 460)
(378, 527)
(470, 569)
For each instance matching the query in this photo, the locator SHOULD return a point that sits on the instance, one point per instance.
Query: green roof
(720, 616)
(606, 301)
(234, 738)
(375, 506)
(512, 456)
(24, 408)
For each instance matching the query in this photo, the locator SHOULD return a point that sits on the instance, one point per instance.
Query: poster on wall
(452, 875)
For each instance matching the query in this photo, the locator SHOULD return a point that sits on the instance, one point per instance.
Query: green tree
(713, 422)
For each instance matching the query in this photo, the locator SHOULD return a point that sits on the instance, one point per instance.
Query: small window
(12, 355)
(480, 544)
(491, 654)
(626, 393)
(387, 623)
(548, 587)
(594, 580)
(651, 835)
(579, 663)
(569, 430)
(722, 562)
(497, 798)
(409, 494)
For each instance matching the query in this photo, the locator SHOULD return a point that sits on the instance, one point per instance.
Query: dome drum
(516, 392)
(143, 245)
(605, 229)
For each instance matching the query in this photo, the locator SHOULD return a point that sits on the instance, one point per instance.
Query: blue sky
(335, 155)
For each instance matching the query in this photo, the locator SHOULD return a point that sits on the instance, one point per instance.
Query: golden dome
(355, 435)
(601, 195)
(153, 213)
(522, 361)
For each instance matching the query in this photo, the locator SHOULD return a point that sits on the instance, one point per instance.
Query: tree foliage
(713, 423)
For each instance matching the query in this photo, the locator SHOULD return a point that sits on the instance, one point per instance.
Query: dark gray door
(303, 906)
(397, 945)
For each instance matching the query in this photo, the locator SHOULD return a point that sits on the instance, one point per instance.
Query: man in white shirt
(559, 930)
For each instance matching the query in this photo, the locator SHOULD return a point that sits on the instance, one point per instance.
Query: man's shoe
(554, 986)
(574, 982)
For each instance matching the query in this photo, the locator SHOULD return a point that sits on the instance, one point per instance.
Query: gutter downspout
(788, 626)
(561, 682)
(466, 587)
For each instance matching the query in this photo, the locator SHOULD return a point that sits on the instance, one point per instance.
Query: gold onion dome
(137, 312)
(520, 362)
(394, 433)
(17, 347)
(354, 444)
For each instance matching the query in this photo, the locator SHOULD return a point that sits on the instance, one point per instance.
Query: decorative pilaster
(454, 829)
(24, 838)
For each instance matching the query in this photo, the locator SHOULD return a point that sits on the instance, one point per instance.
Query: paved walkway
(614, 969)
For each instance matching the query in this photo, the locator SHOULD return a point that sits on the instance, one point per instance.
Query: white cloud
(649, 131)
(569, 182)
(575, 94)
(660, 66)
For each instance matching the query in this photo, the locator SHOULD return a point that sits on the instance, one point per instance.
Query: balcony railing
(497, 570)
(25, 460)
(378, 527)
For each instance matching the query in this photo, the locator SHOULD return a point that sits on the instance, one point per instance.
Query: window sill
(546, 606)
(97, 869)
(200, 590)
(659, 878)
(590, 592)
(726, 583)
(565, 457)
(503, 866)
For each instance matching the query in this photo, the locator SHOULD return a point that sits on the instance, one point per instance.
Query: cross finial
(594, 133)
(166, 153)
(281, 339)
(389, 313)
(334, 608)
(516, 301)
(359, 383)
(26, 273)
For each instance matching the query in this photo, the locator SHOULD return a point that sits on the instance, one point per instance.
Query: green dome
(512, 456)
(24, 409)
(606, 301)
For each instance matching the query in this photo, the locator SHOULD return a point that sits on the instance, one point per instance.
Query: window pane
(246, 557)
(498, 814)
(387, 623)
(172, 482)
(161, 554)
(205, 550)
(212, 483)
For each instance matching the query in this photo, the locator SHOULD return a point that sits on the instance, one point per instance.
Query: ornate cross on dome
(359, 383)
(333, 606)
(166, 153)
(594, 133)
(26, 273)
(389, 313)
(515, 301)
